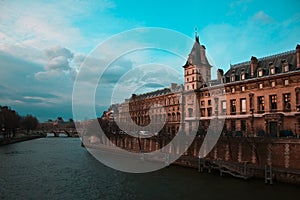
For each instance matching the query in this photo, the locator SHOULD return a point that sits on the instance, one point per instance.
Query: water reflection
(59, 168)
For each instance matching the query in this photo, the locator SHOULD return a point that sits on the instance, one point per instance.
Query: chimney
(253, 65)
(173, 86)
(298, 55)
(220, 74)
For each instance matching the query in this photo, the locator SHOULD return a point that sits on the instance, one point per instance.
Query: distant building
(260, 96)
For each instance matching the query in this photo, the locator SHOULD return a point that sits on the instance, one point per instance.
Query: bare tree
(29, 123)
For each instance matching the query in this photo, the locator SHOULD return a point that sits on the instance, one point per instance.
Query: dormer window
(243, 77)
(260, 72)
(232, 78)
(272, 70)
(286, 68)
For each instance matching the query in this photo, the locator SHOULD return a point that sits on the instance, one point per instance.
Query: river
(59, 168)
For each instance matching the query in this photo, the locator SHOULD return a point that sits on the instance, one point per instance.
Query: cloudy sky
(44, 43)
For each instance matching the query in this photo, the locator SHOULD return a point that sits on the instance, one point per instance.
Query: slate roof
(197, 55)
(265, 63)
(157, 93)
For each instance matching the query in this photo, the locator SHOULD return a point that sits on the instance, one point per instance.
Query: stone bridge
(70, 132)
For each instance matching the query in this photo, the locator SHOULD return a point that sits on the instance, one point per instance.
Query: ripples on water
(58, 168)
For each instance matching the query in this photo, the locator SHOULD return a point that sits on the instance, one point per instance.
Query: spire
(197, 55)
(196, 36)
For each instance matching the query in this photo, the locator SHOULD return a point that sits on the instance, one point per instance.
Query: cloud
(59, 58)
(262, 17)
(259, 36)
(58, 51)
(41, 50)
(238, 7)
(60, 62)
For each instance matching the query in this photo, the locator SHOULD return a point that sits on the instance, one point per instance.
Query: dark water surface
(59, 168)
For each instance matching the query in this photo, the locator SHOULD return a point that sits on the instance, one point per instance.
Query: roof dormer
(260, 72)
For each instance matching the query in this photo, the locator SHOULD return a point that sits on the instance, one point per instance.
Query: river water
(59, 168)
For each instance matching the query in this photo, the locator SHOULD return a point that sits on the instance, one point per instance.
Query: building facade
(257, 97)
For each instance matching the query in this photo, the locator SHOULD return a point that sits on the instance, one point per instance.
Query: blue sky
(43, 43)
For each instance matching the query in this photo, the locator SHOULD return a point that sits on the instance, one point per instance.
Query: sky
(44, 44)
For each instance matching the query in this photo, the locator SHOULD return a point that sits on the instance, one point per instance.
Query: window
(297, 97)
(260, 72)
(287, 102)
(209, 102)
(261, 103)
(223, 104)
(202, 112)
(286, 68)
(187, 79)
(261, 86)
(273, 102)
(273, 83)
(232, 106)
(243, 76)
(193, 86)
(286, 82)
(232, 77)
(187, 87)
(190, 110)
(243, 106)
(209, 112)
(272, 70)
(202, 103)
(232, 90)
(243, 88)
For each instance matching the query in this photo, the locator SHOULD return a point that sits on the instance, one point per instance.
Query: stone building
(257, 97)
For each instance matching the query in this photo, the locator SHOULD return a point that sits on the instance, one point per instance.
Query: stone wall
(282, 154)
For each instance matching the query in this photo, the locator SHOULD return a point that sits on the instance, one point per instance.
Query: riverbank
(272, 159)
(20, 138)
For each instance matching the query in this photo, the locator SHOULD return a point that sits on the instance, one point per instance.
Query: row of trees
(11, 121)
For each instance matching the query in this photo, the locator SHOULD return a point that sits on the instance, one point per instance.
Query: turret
(197, 69)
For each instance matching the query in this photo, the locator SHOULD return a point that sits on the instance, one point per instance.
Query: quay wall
(283, 154)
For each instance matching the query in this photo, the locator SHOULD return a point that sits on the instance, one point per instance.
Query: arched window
(173, 117)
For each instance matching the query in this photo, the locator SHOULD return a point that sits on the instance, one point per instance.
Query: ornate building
(256, 97)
